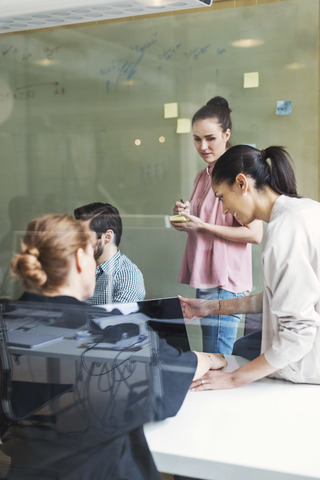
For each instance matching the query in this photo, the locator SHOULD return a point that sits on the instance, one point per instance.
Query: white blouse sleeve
(291, 267)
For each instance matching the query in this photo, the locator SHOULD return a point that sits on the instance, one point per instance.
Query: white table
(267, 430)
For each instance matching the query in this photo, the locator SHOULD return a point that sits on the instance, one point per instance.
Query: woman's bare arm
(251, 233)
(197, 308)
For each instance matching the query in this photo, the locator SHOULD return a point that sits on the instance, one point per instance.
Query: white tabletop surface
(266, 430)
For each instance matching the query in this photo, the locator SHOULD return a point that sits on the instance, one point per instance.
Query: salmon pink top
(210, 261)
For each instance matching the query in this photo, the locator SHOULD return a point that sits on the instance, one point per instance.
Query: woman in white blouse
(261, 184)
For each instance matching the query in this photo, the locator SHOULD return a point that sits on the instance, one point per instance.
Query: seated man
(117, 278)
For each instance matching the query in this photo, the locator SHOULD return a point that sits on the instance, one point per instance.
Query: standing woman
(261, 184)
(217, 259)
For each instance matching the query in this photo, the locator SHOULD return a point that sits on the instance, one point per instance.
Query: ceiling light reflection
(295, 66)
(46, 62)
(155, 3)
(247, 43)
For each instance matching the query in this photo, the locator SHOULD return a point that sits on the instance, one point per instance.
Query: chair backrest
(20, 399)
(253, 323)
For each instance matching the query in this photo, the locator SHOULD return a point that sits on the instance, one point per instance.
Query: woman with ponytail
(255, 184)
(217, 259)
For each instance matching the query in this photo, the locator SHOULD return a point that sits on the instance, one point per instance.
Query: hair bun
(33, 251)
(26, 265)
(219, 102)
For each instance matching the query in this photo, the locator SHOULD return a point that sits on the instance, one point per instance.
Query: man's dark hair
(103, 217)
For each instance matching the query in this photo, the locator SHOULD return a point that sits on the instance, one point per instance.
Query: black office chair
(19, 400)
(249, 345)
(253, 323)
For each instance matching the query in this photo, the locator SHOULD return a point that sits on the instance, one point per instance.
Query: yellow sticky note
(251, 80)
(184, 125)
(170, 110)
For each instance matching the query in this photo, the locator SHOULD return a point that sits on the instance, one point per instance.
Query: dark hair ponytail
(216, 108)
(271, 167)
(282, 178)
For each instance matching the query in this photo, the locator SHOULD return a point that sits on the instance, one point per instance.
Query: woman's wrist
(217, 361)
(202, 226)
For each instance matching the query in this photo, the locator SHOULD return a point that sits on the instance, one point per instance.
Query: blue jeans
(219, 332)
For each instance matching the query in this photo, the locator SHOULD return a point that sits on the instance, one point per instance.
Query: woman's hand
(206, 362)
(181, 208)
(218, 361)
(213, 380)
(220, 380)
(192, 224)
(193, 308)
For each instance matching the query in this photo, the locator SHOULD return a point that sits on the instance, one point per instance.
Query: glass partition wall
(101, 112)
